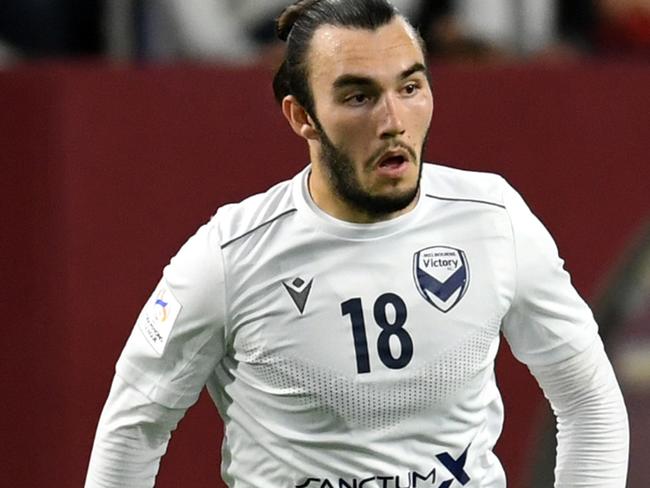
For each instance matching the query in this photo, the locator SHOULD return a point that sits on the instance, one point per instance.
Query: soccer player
(346, 321)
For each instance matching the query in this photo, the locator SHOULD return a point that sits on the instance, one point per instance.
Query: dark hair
(297, 24)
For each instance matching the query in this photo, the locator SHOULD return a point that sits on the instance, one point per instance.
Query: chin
(390, 202)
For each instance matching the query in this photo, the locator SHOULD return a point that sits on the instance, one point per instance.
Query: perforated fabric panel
(381, 406)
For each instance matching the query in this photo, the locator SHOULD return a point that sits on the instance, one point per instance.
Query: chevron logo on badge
(441, 276)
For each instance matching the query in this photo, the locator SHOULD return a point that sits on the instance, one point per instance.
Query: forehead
(383, 52)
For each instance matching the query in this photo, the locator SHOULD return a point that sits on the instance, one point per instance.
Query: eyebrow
(358, 80)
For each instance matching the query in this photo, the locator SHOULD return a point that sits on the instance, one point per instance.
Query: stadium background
(106, 171)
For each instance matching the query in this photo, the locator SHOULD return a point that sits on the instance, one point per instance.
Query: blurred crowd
(242, 32)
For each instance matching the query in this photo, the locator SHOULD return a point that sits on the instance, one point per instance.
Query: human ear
(298, 118)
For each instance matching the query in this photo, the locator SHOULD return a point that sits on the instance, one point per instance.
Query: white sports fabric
(362, 355)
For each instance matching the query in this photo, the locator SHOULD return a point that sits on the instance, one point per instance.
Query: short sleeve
(178, 337)
(548, 321)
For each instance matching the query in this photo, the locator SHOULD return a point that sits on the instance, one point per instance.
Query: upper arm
(179, 335)
(548, 321)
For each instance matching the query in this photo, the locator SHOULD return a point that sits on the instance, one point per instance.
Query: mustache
(392, 146)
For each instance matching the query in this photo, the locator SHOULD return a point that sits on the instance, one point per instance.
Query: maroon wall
(106, 171)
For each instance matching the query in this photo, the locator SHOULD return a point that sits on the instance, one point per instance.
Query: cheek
(352, 135)
(422, 113)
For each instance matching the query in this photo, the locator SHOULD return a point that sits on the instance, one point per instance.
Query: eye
(357, 99)
(411, 88)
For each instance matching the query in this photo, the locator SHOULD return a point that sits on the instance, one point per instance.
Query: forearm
(132, 436)
(593, 434)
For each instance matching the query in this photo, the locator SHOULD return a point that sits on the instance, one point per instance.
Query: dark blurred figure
(618, 28)
(36, 29)
(468, 30)
(443, 35)
(550, 29)
(576, 23)
(624, 28)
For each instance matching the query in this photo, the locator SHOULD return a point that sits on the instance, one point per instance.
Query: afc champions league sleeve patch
(441, 275)
(158, 317)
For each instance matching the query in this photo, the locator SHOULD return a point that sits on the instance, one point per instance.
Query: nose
(390, 118)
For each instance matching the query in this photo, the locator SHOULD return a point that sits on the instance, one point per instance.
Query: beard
(345, 182)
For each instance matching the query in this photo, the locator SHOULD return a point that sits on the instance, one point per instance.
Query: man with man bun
(346, 321)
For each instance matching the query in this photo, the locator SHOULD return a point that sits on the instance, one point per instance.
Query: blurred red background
(106, 171)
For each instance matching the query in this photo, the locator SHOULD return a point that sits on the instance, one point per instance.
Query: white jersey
(358, 355)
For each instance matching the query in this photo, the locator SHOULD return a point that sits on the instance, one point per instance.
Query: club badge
(441, 275)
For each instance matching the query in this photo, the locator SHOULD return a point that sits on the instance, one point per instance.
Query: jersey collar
(309, 211)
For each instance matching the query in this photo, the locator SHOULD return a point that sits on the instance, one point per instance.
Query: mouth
(393, 163)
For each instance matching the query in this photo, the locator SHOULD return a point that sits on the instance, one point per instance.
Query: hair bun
(289, 16)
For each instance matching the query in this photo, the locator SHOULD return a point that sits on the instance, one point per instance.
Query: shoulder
(237, 220)
(446, 183)
(199, 260)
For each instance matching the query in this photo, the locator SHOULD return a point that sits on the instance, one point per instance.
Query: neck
(325, 197)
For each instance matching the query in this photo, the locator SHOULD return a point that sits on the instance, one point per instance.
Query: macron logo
(298, 290)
